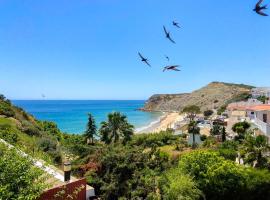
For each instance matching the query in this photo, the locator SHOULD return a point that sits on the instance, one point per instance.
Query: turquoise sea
(71, 115)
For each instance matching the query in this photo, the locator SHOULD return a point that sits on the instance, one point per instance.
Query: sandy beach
(166, 121)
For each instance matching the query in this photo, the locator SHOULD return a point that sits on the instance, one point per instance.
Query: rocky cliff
(212, 96)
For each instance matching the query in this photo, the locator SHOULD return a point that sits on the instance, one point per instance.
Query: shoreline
(167, 120)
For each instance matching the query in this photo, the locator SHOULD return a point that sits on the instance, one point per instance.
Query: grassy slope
(24, 131)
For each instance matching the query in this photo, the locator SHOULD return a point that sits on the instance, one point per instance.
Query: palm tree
(91, 129)
(216, 130)
(193, 129)
(256, 150)
(116, 127)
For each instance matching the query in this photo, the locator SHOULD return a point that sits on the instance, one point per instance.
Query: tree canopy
(91, 129)
(116, 128)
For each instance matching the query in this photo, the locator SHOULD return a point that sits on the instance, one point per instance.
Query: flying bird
(259, 9)
(168, 35)
(144, 59)
(171, 67)
(167, 57)
(43, 95)
(176, 24)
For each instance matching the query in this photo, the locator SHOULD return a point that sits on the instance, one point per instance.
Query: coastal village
(172, 135)
(254, 110)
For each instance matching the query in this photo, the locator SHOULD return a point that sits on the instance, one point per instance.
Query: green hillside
(40, 139)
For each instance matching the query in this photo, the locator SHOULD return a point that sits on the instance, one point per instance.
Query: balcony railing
(264, 127)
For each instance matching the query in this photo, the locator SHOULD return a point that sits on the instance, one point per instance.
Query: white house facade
(260, 91)
(262, 118)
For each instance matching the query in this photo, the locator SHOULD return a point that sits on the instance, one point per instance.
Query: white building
(262, 118)
(242, 109)
(260, 91)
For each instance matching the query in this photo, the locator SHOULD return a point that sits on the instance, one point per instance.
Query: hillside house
(260, 91)
(262, 118)
(242, 109)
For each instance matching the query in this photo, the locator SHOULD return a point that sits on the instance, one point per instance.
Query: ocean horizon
(71, 115)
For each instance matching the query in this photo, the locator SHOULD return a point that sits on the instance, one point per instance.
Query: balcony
(264, 127)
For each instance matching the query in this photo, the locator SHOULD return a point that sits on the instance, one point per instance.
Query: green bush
(176, 185)
(156, 139)
(6, 109)
(30, 129)
(8, 135)
(203, 137)
(220, 179)
(209, 142)
(49, 146)
(228, 150)
(123, 172)
(19, 178)
(192, 109)
(221, 109)
(208, 113)
(51, 128)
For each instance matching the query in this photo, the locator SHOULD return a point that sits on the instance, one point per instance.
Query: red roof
(260, 107)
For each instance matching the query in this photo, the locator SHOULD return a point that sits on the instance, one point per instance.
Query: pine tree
(91, 129)
(223, 134)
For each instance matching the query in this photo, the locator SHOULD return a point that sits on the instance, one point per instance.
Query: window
(265, 118)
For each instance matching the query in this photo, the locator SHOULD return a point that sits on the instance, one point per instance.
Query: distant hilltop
(212, 96)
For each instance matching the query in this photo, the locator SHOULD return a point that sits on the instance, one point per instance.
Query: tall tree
(193, 129)
(91, 129)
(191, 111)
(223, 134)
(116, 128)
(216, 130)
(219, 130)
(240, 128)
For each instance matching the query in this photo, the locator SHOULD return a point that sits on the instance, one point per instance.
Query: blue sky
(87, 49)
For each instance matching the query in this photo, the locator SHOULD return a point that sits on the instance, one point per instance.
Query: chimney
(67, 171)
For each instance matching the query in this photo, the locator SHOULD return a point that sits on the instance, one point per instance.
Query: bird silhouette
(176, 24)
(167, 57)
(168, 35)
(259, 9)
(144, 59)
(171, 67)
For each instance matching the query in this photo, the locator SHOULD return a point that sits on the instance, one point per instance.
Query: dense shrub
(208, 113)
(223, 179)
(126, 173)
(228, 150)
(51, 128)
(221, 109)
(209, 142)
(49, 146)
(240, 128)
(176, 185)
(6, 109)
(19, 179)
(30, 129)
(8, 135)
(191, 109)
(155, 139)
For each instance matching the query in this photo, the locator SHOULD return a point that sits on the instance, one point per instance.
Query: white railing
(264, 127)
